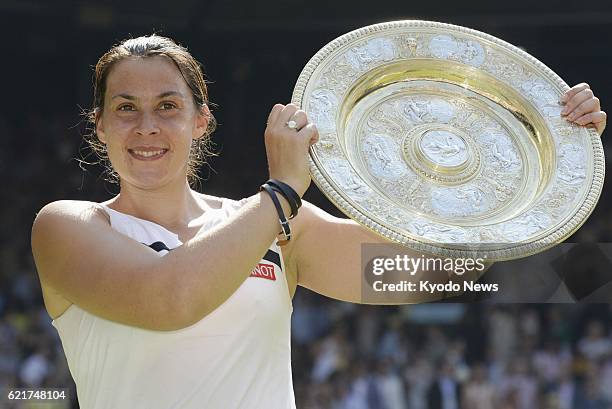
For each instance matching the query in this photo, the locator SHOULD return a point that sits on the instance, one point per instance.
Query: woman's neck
(172, 206)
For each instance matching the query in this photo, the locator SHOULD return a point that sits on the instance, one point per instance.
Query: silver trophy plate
(448, 140)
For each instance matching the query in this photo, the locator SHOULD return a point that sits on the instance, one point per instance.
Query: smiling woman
(186, 92)
(152, 120)
(164, 297)
(173, 322)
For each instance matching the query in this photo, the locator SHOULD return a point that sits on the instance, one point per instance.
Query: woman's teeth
(147, 154)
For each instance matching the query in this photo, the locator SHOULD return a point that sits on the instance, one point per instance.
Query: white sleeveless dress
(238, 356)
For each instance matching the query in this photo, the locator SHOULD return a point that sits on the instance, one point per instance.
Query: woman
(199, 315)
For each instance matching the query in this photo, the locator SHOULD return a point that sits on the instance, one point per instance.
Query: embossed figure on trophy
(414, 191)
(385, 120)
(541, 93)
(444, 146)
(359, 57)
(503, 66)
(473, 196)
(424, 229)
(506, 156)
(526, 225)
(471, 51)
(381, 156)
(322, 106)
(533, 222)
(503, 192)
(571, 164)
(412, 44)
(338, 77)
(351, 182)
(417, 111)
(459, 202)
(343, 175)
(442, 233)
(571, 175)
(487, 235)
(557, 202)
(373, 51)
(443, 46)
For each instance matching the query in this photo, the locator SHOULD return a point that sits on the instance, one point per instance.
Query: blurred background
(451, 356)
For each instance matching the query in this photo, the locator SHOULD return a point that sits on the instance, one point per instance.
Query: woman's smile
(147, 154)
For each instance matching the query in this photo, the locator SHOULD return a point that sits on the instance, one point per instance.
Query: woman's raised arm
(80, 256)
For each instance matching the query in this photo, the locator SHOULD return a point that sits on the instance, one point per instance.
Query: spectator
(444, 392)
(595, 345)
(479, 393)
(390, 386)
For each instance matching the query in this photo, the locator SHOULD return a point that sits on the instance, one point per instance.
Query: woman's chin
(148, 180)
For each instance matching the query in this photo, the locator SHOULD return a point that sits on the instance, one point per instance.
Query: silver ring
(291, 124)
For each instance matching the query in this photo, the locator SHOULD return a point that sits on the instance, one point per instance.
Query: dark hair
(190, 69)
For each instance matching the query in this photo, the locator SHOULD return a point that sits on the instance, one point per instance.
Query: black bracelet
(292, 204)
(289, 194)
(286, 229)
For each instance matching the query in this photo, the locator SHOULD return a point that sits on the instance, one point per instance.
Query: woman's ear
(99, 126)
(202, 120)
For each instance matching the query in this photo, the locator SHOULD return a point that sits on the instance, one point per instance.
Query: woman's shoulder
(76, 210)
(61, 226)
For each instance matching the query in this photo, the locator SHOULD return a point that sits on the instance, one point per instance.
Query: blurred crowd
(451, 356)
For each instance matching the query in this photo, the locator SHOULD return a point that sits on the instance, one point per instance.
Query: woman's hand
(583, 108)
(288, 136)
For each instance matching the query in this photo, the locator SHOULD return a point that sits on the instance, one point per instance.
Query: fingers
(287, 114)
(595, 119)
(282, 114)
(587, 106)
(310, 133)
(592, 118)
(573, 91)
(601, 126)
(577, 99)
(300, 118)
(274, 113)
(583, 107)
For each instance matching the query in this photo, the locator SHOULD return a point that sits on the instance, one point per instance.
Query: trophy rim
(509, 250)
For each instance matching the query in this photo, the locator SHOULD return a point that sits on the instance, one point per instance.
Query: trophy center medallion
(444, 148)
(441, 153)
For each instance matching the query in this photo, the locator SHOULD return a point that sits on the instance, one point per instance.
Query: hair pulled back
(191, 71)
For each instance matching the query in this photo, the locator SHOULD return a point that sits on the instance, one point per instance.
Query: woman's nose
(147, 125)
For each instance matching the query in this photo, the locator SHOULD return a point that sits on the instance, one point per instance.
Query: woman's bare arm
(78, 254)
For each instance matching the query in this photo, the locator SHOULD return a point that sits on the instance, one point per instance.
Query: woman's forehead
(144, 76)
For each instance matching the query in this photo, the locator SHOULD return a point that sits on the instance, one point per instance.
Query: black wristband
(292, 203)
(286, 229)
(288, 193)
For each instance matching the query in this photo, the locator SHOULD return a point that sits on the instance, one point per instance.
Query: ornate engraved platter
(448, 140)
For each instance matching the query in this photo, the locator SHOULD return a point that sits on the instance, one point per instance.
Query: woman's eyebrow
(125, 96)
(170, 94)
(162, 95)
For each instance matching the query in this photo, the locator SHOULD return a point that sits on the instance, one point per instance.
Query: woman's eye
(126, 107)
(168, 105)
